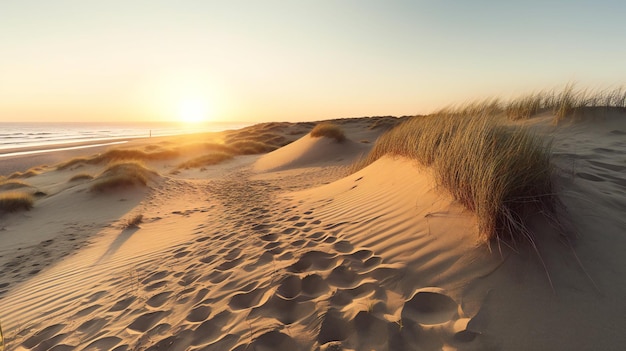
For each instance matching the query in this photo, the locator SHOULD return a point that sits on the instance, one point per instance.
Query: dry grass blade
(499, 173)
(565, 103)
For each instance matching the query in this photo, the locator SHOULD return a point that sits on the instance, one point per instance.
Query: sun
(193, 111)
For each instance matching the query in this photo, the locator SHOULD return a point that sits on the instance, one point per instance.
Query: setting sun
(193, 111)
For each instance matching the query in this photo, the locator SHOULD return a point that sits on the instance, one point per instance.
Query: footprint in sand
(199, 314)
(430, 306)
(343, 246)
(122, 304)
(314, 285)
(273, 340)
(210, 330)
(333, 328)
(155, 276)
(245, 300)
(105, 343)
(286, 311)
(314, 260)
(270, 237)
(43, 335)
(146, 321)
(290, 287)
(371, 331)
(343, 277)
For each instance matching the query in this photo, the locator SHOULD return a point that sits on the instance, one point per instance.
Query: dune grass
(385, 123)
(14, 201)
(133, 222)
(81, 176)
(122, 174)
(206, 160)
(27, 174)
(328, 130)
(563, 104)
(251, 147)
(10, 184)
(500, 173)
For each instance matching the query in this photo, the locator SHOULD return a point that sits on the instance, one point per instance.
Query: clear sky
(294, 60)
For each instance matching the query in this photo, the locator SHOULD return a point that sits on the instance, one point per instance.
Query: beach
(283, 244)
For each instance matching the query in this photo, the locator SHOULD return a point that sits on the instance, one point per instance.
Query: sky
(254, 61)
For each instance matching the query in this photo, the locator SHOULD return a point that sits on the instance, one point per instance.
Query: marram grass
(500, 173)
(122, 174)
(328, 130)
(563, 104)
(14, 201)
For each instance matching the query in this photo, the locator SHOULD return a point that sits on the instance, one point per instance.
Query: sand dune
(308, 152)
(287, 252)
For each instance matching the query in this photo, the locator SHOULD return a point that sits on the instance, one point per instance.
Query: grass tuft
(122, 174)
(500, 173)
(29, 173)
(566, 103)
(133, 222)
(11, 184)
(81, 176)
(206, 160)
(14, 201)
(328, 130)
(251, 147)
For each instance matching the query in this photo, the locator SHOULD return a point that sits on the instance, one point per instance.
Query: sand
(288, 251)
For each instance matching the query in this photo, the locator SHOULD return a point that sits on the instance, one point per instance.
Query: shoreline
(21, 159)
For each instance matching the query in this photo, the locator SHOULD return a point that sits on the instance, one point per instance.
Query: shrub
(328, 130)
(15, 201)
(500, 173)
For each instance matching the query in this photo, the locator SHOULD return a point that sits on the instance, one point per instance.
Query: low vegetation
(27, 174)
(206, 160)
(251, 147)
(328, 130)
(122, 174)
(568, 102)
(384, 123)
(11, 184)
(500, 173)
(133, 222)
(14, 201)
(81, 176)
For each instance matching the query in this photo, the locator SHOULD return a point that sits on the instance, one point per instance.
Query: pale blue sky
(297, 60)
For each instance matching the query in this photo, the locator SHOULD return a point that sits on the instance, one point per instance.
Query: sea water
(18, 137)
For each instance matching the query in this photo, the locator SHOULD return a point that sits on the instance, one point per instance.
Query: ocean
(23, 138)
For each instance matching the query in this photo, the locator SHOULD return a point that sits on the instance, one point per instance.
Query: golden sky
(275, 60)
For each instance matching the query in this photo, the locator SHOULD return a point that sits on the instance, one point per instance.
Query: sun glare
(193, 111)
